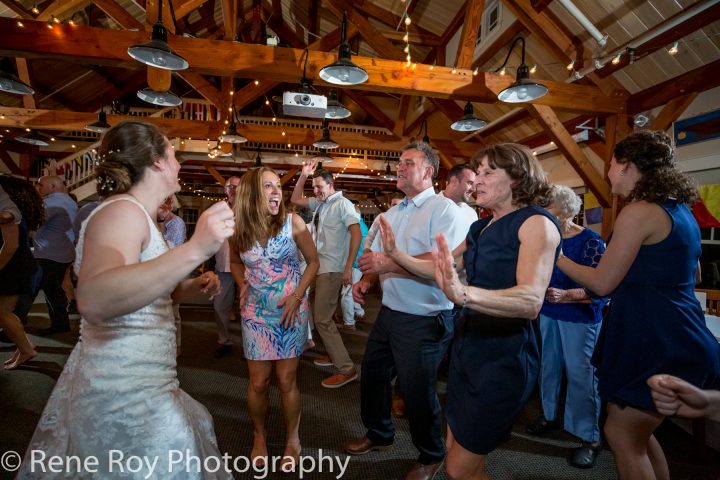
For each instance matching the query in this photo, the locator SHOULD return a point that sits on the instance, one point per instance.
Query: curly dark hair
(27, 199)
(530, 185)
(653, 154)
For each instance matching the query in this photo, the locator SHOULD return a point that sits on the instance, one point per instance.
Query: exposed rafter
(468, 36)
(103, 46)
(66, 120)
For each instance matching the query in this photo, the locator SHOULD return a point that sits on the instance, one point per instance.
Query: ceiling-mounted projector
(302, 104)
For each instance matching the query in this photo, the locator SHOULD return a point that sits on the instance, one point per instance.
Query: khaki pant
(327, 290)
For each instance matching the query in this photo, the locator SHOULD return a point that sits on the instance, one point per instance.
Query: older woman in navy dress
(509, 257)
(655, 323)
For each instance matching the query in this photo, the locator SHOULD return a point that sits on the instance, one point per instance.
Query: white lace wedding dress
(118, 397)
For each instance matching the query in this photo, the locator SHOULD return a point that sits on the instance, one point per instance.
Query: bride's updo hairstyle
(127, 149)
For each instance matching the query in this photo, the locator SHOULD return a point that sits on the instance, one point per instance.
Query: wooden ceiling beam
(183, 8)
(221, 58)
(388, 18)
(289, 175)
(279, 26)
(23, 70)
(60, 8)
(230, 18)
(313, 17)
(113, 10)
(672, 111)
(454, 25)
(367, 31)
(401, 118)
(677, 32)
(9, 162)
(67, 120)
(468, 37)
(555, 40)
(203, 87)
(698, 80)
(419, 120)
(18, 9)
(215, 174)
(371, 109)
(415, 38)
(573, 153)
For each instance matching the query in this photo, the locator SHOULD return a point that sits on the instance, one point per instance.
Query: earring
(622, 173)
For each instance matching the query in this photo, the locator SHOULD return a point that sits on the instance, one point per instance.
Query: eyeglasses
(231, 187)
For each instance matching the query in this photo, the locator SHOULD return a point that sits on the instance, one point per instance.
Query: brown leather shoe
(363, 445)
(340, 379)
(423, 472)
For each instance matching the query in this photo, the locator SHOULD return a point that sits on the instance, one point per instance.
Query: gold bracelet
(297, 297)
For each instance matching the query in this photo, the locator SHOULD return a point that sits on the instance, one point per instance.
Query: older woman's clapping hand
(446, 275)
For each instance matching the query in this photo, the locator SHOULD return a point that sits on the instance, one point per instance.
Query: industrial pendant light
(343, 71)
(157, 53)
(335, 109)
(10, 83)
(231, 135)
(101, 126)
(258, 160)
(524, 89)
(163, 99)
(468, 122)
(322, 157)
(325, 141)
(33, 139)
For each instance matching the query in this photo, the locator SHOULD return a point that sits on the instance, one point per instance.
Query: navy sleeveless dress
(655, 323)
(18, 277)
(494, 361)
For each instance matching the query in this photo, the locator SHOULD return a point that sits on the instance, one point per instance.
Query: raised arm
(297, 197)
(538, 240)
(636, 224)
(113, 282)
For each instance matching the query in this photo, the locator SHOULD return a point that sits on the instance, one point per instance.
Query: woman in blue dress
(509, 258)
(655, 324)
(569, 326)
(265, 262)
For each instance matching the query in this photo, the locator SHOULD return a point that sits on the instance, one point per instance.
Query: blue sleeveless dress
(655, 323)
(494, 362)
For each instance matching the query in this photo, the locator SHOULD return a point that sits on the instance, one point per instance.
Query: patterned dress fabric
(119, 393)
(272, 272)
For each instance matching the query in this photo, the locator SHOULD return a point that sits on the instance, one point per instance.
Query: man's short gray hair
(430, 156)
(566, 200)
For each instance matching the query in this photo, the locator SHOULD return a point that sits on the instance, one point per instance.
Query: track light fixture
(157, 53)
(343, 71)
(325, 141)
(524, 89)
(468, 122)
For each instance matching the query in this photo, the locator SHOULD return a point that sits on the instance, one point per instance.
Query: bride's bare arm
(113, 282)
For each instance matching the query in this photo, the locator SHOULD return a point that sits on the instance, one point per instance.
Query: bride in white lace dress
(118, 396)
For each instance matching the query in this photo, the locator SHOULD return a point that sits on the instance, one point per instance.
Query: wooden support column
(572, 152)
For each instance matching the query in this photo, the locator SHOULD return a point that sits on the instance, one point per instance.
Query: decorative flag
(593, 210)
(707, 209)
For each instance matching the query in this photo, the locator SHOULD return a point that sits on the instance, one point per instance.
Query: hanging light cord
(510, 51)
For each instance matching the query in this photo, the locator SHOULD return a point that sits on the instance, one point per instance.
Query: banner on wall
(707, 209)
